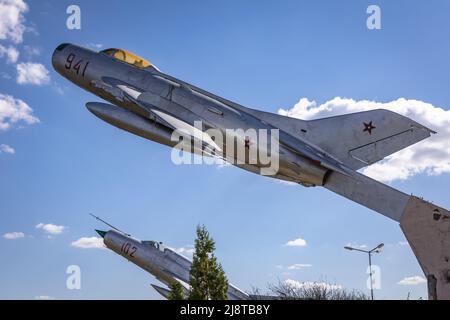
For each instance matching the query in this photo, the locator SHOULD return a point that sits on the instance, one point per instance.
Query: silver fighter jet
(324, 152)
(164, 263)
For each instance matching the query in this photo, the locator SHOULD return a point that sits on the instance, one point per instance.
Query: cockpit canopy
(157, 245)
(127, 57)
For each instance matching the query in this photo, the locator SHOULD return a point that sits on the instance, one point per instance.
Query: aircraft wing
(143, 104)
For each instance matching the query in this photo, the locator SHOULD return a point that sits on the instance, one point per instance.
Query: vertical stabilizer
(425, 225)
(427, 229)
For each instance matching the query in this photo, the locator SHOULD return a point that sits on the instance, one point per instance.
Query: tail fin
(425, 225)
(363, 138)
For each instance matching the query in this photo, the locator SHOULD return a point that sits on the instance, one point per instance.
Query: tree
(207, 278)
(176, 291)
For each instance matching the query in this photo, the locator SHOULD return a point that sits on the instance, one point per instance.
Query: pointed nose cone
(101, 233)
(58, 59)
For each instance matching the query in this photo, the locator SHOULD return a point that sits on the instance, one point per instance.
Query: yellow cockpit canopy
(127, 57)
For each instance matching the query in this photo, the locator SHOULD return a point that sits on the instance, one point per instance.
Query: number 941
(71, 63)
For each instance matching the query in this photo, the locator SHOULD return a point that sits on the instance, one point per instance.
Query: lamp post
(377, 249)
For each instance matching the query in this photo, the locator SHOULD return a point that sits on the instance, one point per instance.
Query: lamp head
(378, 248)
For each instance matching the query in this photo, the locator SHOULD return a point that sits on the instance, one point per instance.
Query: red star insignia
(369, 127)
(247, 142)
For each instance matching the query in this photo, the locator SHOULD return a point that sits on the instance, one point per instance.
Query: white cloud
(188, 251)
(12, 20)
(286, 183)
(13, 110)
(57, 87)
(412, 281)
(298, 266)
(95, 46)
(50, 228)
(403, 243)
(294, 284)
(32, 73)
(44, 298)
(31, 51)
(5, 75)
(431, 156)
(7, 149)
(355, 245)
(89, 243)
(10, 52)
(296, 243)
(13, 235)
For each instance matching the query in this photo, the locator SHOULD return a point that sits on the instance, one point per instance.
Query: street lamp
(377, 249)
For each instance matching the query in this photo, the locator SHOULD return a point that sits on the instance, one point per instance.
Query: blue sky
(262, 54)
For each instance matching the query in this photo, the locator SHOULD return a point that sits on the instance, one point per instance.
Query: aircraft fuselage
(161, 99)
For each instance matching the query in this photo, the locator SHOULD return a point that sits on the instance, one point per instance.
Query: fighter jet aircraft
(323, 152)
(167, 265)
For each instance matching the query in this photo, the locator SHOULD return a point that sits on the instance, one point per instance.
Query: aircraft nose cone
(101, 233)
(57, 59)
